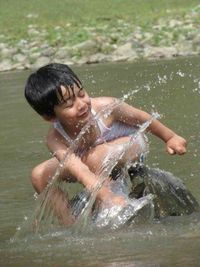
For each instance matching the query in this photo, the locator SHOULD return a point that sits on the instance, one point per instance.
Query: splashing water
(116, 214)
(132, 245)
(114, 217)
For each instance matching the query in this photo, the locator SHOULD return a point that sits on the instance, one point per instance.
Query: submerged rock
(171, 197)
(155, 194)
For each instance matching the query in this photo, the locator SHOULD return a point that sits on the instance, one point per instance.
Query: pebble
(19, 58)
(5, 65)
(160, 52)
(41, 61)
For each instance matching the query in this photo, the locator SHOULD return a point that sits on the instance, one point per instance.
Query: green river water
(172, 88)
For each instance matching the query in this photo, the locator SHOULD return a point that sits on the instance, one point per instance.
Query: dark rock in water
(171, 197)
(154, 194)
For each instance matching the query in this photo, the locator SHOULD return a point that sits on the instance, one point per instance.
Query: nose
(81, 105)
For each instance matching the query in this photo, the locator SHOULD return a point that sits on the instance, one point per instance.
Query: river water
(172, 88)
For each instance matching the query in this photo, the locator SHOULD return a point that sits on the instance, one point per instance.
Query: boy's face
(74, 109)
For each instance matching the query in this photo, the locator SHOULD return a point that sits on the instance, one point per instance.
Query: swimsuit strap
(116, 130)
(57, 125)
(102, 127)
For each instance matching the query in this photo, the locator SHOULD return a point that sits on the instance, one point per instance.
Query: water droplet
(35, 196)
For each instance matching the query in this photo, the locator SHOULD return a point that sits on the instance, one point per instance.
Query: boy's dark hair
(44, 84)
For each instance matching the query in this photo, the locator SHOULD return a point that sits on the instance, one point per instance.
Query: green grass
(74, 16)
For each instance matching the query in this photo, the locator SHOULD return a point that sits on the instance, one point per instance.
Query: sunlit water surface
(172, 88)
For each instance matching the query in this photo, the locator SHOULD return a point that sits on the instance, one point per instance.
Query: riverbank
(165, 37)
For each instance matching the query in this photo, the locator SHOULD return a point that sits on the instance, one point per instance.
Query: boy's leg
(95, 156)
(94, 159)
(41, 176)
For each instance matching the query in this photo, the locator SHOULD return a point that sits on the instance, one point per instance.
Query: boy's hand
(117, 200)
(113, 200)
(176, 145)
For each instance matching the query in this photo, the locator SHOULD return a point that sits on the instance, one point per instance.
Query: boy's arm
(74, 166)
(133, 116)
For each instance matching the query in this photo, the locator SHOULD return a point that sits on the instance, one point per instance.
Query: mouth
(84, 114)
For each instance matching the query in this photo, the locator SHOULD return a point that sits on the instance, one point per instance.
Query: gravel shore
(167, 38)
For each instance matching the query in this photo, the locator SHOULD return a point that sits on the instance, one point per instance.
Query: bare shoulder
(100, 102)
(54, 137)
(51, 133)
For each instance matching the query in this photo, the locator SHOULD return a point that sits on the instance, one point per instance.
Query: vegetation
(34, 33)
(74, 21)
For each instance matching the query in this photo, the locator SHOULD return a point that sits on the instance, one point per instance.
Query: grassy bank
(75, 16)
(34, 33)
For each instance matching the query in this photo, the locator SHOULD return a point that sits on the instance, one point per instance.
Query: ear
(49, 118)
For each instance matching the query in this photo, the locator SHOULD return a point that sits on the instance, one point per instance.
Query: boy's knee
(94, 158)
(42, 174)
(37, 179)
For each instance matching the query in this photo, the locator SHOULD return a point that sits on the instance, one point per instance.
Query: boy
(57, 94)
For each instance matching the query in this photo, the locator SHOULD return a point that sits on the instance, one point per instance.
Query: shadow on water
(171, 88)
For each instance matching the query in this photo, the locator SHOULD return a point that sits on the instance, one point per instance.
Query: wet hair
(44, 85)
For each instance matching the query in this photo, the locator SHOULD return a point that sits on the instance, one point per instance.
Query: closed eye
(81, 92)
(68, 103)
